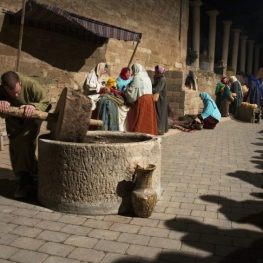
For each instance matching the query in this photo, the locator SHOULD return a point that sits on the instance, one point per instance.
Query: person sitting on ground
(26, 93)
(94, 84)
(210, 115)
(124, 79)
(94, 80)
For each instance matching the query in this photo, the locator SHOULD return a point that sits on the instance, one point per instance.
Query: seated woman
(124, 79)
(95, 83)
(210, 115)
(94, 80)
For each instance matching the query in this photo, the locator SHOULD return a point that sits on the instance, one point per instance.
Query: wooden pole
(39, 115)
(21, 34)
(133, 54)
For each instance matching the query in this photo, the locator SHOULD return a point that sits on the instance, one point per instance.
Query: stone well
(94, 177)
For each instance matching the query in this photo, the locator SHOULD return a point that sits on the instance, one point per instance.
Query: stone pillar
(256, 59)
(227, 25)
(235, 49)
(250, 56)
(212, 38)
(243, 53)
(196, 28)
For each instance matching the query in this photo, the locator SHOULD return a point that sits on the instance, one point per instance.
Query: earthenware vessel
(144, 197)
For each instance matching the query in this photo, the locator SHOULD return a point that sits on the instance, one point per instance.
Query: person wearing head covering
(210, 115)
(94, 80)
(94, 84)
(139, 93)
(159, 86)
(219, 86)
(22, 91)
(124, 79)
(254, 93)
(237, 90)
(111, 84)
(226, 98)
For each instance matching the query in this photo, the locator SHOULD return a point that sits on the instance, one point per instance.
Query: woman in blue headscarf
(210, 115)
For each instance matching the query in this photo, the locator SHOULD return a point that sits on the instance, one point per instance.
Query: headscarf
(94, 77)
(210, 109)
(100, 69)
(224, 80)
(111, 83)
(233, 78)
(140, 85)
(123, 73)
(252, 78)
(159, 69)
(206, 97)
(159, 72)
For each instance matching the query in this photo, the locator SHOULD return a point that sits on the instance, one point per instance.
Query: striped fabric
(43, 16)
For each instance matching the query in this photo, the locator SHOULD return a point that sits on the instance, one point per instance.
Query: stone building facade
(58, 61)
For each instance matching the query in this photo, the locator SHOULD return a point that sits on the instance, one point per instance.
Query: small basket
(199, 126)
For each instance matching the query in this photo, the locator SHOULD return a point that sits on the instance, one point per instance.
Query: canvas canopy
(53, 18)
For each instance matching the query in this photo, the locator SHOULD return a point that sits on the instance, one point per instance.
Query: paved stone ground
(211, 209)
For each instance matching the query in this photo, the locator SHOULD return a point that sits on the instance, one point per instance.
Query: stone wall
(192, 103)
(57, 61)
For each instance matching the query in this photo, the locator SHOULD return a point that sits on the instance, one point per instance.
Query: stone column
(256, 59)
(243, 53)
(250, 56)
(235, 49)
(227, 25)
(196, 28)
(212, 38)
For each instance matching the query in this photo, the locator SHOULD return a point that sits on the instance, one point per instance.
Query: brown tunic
(22, 133)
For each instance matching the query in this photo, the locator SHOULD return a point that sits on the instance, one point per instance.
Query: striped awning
(53, 18)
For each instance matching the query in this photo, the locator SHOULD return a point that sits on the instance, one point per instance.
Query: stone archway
(191, 81)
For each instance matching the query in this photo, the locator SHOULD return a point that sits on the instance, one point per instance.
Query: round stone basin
(95, 177)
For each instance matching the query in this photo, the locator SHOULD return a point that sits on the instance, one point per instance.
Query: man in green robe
(24, 92)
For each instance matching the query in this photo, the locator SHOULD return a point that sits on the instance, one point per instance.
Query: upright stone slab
(95, 177)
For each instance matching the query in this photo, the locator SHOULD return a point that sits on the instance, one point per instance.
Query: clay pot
(199, 126)
(144, 197)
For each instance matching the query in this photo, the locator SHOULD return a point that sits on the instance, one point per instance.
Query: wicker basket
(199, 126)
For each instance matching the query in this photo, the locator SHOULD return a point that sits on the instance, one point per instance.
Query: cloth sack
(244, 90)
